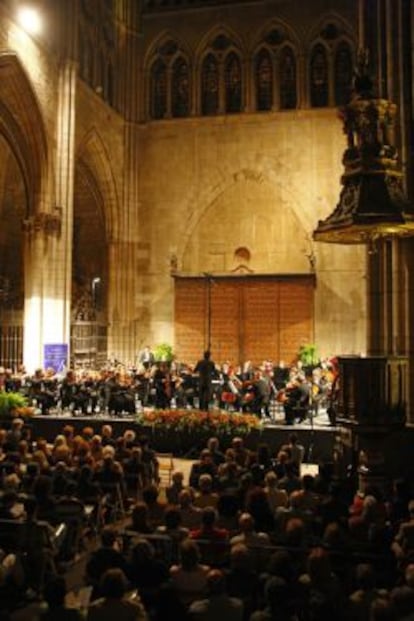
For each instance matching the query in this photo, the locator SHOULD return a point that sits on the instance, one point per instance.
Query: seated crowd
(248, 537)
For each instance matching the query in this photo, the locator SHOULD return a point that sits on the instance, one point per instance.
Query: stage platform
(316, 435)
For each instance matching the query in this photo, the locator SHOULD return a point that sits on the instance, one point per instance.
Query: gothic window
(343, 74)
(210, 86)
(233, 83)
(287, 73)
(180, 88)
(319, 89)
(264, 81)
(158, 90)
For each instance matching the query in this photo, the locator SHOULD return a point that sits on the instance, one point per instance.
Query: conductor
(206, 370)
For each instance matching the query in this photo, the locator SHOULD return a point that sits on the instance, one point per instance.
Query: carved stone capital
(50, 223)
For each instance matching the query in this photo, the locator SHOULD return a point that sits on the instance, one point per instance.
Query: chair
(165, 468)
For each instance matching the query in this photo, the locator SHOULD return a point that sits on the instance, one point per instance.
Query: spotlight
(29, 19)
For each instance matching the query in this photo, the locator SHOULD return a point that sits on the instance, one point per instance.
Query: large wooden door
(243, 317)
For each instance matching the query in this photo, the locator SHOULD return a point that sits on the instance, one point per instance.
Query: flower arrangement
(196, 421)
(13, 404)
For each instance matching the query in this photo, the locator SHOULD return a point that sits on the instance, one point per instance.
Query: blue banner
(56, 357)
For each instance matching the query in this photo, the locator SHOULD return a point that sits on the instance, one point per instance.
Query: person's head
(106, 431)
(172, 518)
(190, 554)
(150, 494)
(113, 584)
(308, 482)
(213, 444)
(237, 443)
(276, 593)
(42, 487)
(319, 567)
(240, 557)
(205, 483)
(382, 609)
(130, 437)
(270, 479)
(142, 551)
(227, 505)
(216, 583)
(177, 477)
(54, 592)
(185, 498)
(207, 355)
(295, 532)
(139, 514)
(17, 424)
(246, 523)
(30, 507)
(402, 598)
(208, 517)
(365, 576)
(409, 575)
(108, 536)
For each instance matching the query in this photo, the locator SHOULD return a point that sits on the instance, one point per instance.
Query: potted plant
(163, 353)
(308, 355)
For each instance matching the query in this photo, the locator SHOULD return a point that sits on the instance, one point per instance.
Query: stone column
(48, 254)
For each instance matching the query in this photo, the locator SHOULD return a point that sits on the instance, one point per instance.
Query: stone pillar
(48, 253)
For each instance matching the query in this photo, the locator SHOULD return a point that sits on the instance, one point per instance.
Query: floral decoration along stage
(215, 422)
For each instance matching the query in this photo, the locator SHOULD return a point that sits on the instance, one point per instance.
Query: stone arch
(344, 30)
(262, 173)
(219, 30)
(21, 123)
(93, 158)
(259, 38)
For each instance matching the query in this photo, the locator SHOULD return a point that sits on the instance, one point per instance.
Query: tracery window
(210, 86)
(264, 80)
(233, 83)
(158, 90)
(319, 77)
(287, 76)
(180, 88)
(343, 73)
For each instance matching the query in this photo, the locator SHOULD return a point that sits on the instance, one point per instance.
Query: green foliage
(10, 401)
(308, 355)
(163, 353)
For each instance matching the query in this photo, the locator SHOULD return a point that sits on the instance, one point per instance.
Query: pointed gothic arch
(167, 74)
(24, 163)
(95, 225)
(22, 125)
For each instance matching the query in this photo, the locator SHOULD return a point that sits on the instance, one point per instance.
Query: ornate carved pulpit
(372, 401)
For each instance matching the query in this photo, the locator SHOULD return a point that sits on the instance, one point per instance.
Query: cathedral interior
(180, 172)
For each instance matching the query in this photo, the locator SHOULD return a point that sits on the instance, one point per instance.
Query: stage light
(30, 20)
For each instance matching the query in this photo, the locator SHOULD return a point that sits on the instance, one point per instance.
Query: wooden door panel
(250, 318)
(260, 321)
(190, 319)
(225, 312)
(296, 318)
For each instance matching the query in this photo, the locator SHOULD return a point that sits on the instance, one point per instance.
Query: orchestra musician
(206, 370)
(162, 385)
(297, 399)
(121, 397)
